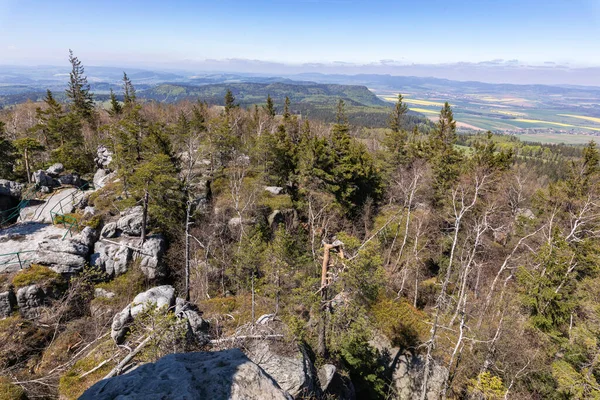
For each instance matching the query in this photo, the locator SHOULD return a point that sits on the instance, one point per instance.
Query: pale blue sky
(299, 31)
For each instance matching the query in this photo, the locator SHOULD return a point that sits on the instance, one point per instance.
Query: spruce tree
(78, 91)
(270, 107)
(286, 109)
(397, 115)
(116, 108)
(229, 101)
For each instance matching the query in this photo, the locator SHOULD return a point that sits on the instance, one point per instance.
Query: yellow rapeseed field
(423, 110)
(593, 119)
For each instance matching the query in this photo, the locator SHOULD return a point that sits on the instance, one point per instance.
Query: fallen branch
(117, 370)
(96, 368)
(233, 338)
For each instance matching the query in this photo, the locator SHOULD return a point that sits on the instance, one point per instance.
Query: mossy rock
(36, 274)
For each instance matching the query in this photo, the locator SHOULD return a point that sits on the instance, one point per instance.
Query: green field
(509, 113)
(557, 138)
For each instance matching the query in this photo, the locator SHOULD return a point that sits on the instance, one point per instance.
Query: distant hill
(309, 99)
(256, 93)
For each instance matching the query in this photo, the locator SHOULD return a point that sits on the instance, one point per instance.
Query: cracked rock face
(29, 299)
(290, 366)
(151, 257)
(226, 374)
(131, 220)
(8, 303)
(112, 258)
(62, 263)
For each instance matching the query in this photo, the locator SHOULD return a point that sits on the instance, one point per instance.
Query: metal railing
(14, 214)
(16, 258)
(58, 215)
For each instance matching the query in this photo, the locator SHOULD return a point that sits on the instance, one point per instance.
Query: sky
(359, 32)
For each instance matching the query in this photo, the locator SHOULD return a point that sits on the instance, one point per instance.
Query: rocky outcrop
(62, 263)
(10, 188)
(197, 326)
(276, 190)
(334, 385)
(408, 378)
(111, 258)
(41, 178)
(288, 365)
(64, 256)
(159, 296)
(70, 179)
(29, 299)
(64, 246)
(227, 374)
(88, 236)
(131, 220)
(151, 257)
(102, 177)
(8, 303)
(103, 157)
(109, 230)
(55, 169)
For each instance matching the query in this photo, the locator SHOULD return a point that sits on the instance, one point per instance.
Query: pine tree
(116, 108)
(78, 91)
(270, 107)
(129, 97)
(27, 147)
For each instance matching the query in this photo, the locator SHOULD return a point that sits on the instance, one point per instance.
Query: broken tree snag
(324, 309)
(325, 267)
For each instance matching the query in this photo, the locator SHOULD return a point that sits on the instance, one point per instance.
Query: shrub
(9, 391)
(399, 321)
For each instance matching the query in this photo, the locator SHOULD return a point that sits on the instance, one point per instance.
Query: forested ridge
(476, 255)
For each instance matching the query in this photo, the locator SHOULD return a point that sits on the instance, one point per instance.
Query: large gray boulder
(197, 326)
(288, 365)
(112, 258)
(151, 257)
(103, 157)
(70, 179)
(42, 179)
(101, 178)
(10, 188)
(8, 302)
(109, 230)
(407, 378)
(334, 386)
(64, 246)
(276, 190)
(29, 299)
(220, 375)
(62, 263)
(55, 169)
(88, 236)
(130, 222)
(159, 296)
